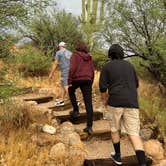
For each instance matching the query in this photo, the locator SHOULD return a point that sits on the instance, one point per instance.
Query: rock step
(79, 119)
(101, 130)
(39, 100)
(127, 161)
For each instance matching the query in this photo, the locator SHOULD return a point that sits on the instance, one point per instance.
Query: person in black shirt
(119, 78)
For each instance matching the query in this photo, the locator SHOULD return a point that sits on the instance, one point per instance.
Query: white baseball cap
(62, 44)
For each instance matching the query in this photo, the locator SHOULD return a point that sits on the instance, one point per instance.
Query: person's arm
(54, 66)
(93, 71)
(72, 69)
(103, 85)
(136, 79)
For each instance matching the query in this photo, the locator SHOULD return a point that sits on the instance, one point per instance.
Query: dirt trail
(96, 147)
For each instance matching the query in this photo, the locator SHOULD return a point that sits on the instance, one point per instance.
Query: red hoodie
(81, 67)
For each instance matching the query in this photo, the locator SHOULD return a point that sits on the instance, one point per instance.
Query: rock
(161, 163)
(154, 149)
(36, 114)
(146, 134)
(54, 123)
(49, 129)
(44, 139)
(45, 91)
(31, 103)
(66, 128)
(77, 156)
(58, 151)
(75, 141)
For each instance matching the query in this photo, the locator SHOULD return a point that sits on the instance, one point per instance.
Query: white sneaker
(60, 103)
(78, 103)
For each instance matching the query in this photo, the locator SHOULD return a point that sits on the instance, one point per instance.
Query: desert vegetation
(29, 34)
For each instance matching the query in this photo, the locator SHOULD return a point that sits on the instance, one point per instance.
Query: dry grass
(18, 150)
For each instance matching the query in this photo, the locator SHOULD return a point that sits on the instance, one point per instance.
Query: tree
(139, 26)
(13, 12)
(90, 22)
(47, 30)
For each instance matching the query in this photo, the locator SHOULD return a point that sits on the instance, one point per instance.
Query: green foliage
(47, 30)
(139, 26)
(31, 61)
(99, 59)
(14, 114)
(8, 88)
(153, 113)
(5, 46)
(15, 12)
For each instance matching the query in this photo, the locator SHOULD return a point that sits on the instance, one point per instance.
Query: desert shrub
(99, 59)
(8, 88)
(152, 113)
(14, 115)
(5, 45)
(32, 62)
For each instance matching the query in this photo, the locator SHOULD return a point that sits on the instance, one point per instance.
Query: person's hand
(105, 103)
(50, 77)
(70, 85)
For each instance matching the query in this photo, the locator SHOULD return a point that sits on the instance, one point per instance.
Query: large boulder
(77, 156)
(154, 149)
(75, 141)
(58, 151)
(66, 128)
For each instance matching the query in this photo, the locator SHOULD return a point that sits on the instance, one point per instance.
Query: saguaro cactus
(90, 20)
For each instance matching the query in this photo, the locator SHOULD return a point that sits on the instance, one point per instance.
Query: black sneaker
(116, 158)
(88, 130)
(74, 114)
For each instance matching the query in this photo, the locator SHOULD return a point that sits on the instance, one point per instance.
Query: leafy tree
(139, 26)
(47, 30)
(13, 12)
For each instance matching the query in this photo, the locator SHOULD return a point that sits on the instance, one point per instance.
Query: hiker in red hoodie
(81, 75)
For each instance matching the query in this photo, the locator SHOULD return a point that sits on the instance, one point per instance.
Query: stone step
(39, 100)
(127, 161)
(82, 118)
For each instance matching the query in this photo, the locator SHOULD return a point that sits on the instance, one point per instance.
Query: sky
(73, 6)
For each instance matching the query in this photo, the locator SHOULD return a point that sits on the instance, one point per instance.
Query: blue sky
(73, 6)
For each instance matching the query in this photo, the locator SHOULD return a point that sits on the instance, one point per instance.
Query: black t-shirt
(119, 77)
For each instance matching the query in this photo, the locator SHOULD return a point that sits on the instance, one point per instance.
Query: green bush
(99, 59)
(8, 88)
(152, 113)
(5, 45)
(32, 62)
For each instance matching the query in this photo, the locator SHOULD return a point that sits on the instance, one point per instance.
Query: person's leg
(64, 92)
(116, 141)
(132, 125)
(139, 149)
(72, 97)
(86, 89)
(115, 115)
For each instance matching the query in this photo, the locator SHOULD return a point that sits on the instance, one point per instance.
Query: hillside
(22, 141)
